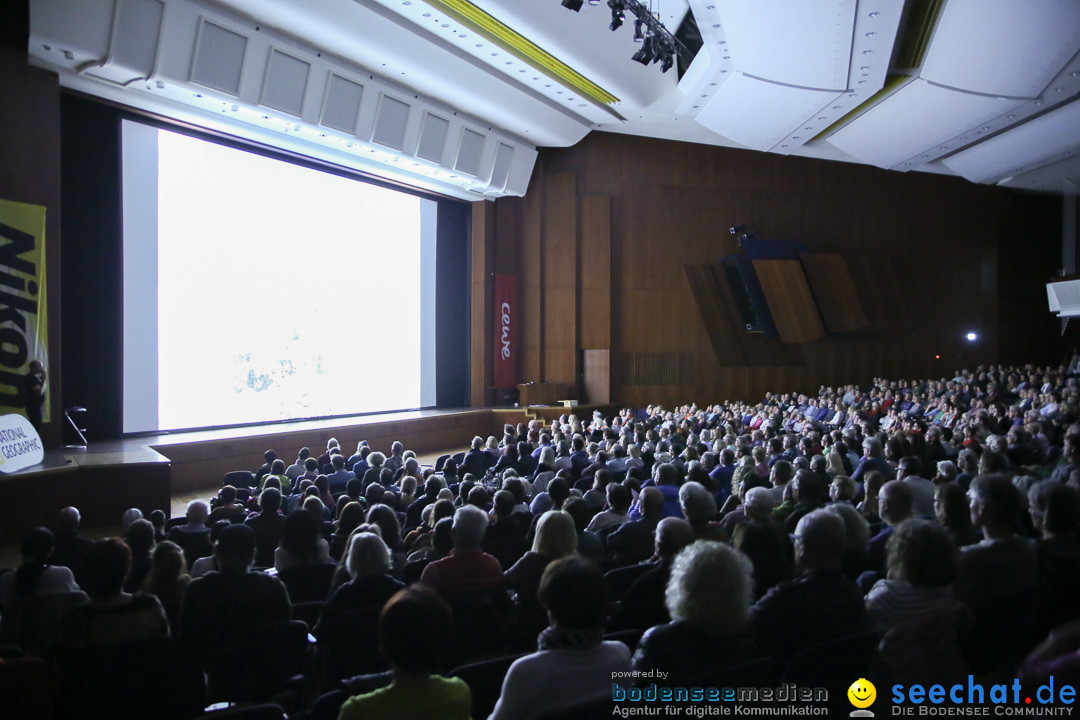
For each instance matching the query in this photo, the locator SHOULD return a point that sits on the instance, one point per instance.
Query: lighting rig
(658, 45)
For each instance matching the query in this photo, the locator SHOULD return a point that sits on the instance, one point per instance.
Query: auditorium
(529, 344)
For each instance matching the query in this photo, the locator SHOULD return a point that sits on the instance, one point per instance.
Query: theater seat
(485, 679)
(151, 678)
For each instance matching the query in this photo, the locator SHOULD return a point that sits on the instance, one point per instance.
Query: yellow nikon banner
(23, 317)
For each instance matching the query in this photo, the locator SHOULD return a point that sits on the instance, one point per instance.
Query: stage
(107, 477)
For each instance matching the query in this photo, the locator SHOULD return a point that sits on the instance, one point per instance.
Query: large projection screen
(259, 290)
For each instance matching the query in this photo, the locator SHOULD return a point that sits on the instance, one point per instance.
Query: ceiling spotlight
(574, 5)
(736, 229)
(618, 13)
(645, 54)
(638, 34)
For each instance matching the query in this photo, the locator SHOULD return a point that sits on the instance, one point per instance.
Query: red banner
(506, 351)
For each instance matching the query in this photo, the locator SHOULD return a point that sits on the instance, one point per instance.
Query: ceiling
(985, 89)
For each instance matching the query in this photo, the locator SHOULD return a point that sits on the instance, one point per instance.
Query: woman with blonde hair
(556, 537)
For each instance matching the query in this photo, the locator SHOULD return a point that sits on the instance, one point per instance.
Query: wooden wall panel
(671, 204)
(597, 376)
(790, 301)
(594, 273)
(559, 272)
(834, 292)
(529, 237)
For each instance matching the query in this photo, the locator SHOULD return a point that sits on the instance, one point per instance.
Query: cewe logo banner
(20, 444)
(506, 322)
(24, 329)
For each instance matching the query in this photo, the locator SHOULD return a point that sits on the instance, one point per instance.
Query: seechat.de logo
(862, 694)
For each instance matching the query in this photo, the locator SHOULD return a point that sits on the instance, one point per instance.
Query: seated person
(301, 542)
(922, 562)
(416, 629)
(194, 535)
(267, 525)
(708, 598)
(572, 655)
(35, 596)
(467, 570)
(820, 604)
(234, 599)
(556, 537)
(168, 578)
(112, 615)
(371, 584)
(226, 506)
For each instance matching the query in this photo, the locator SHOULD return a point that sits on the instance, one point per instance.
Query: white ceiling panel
(805, 43)
(759, 114)
(1063, 176)
(1047, 138)
(1002, 47)
(915, 118)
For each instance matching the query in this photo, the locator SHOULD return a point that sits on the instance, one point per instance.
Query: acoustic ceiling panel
(1004, 47)
(915, 118)
(219, 58)
(341, 105)
(759, 114)
(285, 83)
(390, 121)
(470, 152)
(433, 133)
(1047, 138)
(766, 35)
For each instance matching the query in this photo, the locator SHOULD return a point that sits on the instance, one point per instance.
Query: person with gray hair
(922, 569)
(698, 507)
(371, 584)
(467, 570)
(708, 598)
(967, 465)
(872, 459)
(822, 603)
(946, 472)
(763, 541)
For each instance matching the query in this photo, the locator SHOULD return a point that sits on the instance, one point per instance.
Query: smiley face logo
(862, 693)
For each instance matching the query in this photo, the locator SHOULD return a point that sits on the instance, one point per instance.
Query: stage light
(972, 337)
(638, 34)
(736, 229)
(574, 5)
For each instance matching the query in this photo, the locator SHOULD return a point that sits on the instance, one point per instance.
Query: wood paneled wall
(926, 255)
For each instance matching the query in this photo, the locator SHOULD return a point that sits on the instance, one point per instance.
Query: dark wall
(93, 265)
(30, 171)
(452, 308)
(942, 255)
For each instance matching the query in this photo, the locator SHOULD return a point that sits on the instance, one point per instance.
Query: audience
(1017, 573)
(573, 663)
(415, 634)
(112, 615)
(708, 598)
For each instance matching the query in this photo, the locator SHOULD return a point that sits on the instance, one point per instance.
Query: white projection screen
(259, 290)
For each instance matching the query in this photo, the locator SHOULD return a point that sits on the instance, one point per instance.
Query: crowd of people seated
(938, 517)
